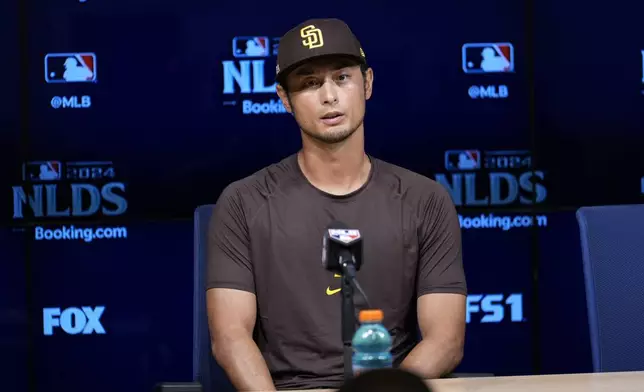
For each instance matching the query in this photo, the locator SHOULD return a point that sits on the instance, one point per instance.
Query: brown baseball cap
(315, 38)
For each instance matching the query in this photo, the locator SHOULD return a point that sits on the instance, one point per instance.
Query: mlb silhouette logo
(457, 160)
(70, 68)
(42, 171)
(488, 58)
(251, 47)
(344, 235)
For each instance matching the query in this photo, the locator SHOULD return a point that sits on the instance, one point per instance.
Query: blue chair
(206, 371)
(612, 241)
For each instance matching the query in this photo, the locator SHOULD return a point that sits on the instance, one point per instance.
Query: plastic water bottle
(371, 343)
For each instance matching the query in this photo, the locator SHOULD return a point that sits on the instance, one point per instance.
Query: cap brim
(279, 78)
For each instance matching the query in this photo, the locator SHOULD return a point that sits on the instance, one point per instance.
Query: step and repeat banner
(10, 103)
(120, 118)
(110, 307)
(114, 303)
(14, 325)
(589, 93)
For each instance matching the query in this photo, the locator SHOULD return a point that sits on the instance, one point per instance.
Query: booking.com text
(490, 221)
(87, 234)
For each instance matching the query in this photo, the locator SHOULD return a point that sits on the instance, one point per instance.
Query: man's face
(327, 97)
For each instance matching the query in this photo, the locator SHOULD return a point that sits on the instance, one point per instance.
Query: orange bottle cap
(371, 315)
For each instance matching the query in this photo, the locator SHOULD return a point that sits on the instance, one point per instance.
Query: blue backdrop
(14, 326)
(143, 280)
(172, 113)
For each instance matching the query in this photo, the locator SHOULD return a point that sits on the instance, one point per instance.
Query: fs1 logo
(74, 321)
(80, 189)
(494, 306)
(492, 178)
(248, 76)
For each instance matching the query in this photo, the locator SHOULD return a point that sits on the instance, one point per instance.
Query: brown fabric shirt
(265, 237)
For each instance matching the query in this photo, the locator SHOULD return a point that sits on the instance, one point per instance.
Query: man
(274, 311)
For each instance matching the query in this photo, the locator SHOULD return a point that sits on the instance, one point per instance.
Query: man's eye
(310, 83)
(344, 77)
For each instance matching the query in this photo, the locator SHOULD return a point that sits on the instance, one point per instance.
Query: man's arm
(231, 318)
(441, 288)
(441, 318)
(230, 297)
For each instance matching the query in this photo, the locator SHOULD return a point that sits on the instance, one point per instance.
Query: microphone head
(339, 239)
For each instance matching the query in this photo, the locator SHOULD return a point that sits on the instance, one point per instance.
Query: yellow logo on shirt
(330, 291)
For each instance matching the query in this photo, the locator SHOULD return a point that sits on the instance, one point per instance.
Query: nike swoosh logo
(335, 291)
(331, 292)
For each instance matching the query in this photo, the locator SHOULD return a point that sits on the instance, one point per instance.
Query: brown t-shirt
(266, 238)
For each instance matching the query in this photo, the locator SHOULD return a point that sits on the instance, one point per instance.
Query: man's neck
(339, 169)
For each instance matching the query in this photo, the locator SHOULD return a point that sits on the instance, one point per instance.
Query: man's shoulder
(257, 187)
(412, 186)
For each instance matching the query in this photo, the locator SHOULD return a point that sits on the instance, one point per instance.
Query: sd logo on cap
(315, 38)
(312, 37)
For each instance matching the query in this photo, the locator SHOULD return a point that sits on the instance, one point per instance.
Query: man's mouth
(331, 115)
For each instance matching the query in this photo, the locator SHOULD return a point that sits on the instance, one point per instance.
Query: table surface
(586, 382)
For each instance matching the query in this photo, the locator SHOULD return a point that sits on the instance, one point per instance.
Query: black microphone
(342, 253)
(342, 249)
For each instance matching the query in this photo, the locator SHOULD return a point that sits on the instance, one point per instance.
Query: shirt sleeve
(228, 253)
(440, 268)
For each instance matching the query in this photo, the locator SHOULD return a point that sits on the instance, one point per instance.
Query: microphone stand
(349, 321)
(348, 316)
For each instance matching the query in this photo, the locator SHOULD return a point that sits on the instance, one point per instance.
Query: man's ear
(368, 83)
(284, 98)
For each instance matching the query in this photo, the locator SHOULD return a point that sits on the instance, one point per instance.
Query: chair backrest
(205, 369)
(612, 241)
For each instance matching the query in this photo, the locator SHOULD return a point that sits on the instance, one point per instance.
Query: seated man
(274, 311)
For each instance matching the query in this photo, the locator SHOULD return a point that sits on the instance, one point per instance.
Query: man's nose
(329, 93)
